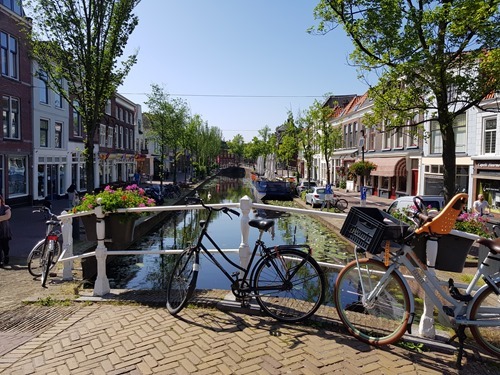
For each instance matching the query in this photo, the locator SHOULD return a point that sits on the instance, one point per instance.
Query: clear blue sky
(197, 49)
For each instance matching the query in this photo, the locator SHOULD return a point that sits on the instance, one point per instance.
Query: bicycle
(336, 202)
(286, 281)
(374, 301)
(43, 257)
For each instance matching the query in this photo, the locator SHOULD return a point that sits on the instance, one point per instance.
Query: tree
(306, 139)
(288, 146)
(80, 41)
(167, 118)
(327, 136)
(237, 146)
(435, 58)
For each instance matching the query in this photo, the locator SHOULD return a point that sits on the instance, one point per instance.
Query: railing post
(101, 286)
(244, 249)
(426, 325)
(67, 234)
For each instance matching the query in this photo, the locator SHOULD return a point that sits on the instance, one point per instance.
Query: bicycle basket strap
(444, 222)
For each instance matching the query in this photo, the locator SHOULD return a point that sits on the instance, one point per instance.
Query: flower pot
(452, 252)
(119, 229)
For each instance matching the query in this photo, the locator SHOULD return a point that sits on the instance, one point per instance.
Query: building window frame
(44, 132)
(11, 117)
(9, 55)
(489, 135)
(58, 134)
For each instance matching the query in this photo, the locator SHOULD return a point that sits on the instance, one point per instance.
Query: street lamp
(362, 189)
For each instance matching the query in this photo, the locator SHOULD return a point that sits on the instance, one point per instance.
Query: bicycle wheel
(378, 322)
(341, 204)
(289, 285)
(486, 308)
(46, 265)
(182, 280)
(35, 258)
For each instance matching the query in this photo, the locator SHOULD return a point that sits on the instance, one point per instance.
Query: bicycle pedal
(449, 311)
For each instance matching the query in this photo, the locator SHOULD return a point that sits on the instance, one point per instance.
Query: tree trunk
(89, 166)
(449, 160)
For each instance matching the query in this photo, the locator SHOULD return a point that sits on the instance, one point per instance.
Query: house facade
(16, 135)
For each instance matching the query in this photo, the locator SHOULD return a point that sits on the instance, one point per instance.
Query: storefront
(486, 181)
(389, 179)
(50, 176)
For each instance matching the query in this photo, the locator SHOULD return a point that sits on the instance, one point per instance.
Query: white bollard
(67, 234)
(244, 249)
(101, 286)
(426, 326)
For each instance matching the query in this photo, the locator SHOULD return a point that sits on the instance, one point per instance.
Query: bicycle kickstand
(461, 339)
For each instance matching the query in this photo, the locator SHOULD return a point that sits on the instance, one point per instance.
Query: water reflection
(150, 271)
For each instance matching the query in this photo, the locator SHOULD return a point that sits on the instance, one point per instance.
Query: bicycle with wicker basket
(373, 298)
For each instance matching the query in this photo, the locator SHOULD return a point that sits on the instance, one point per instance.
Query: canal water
(151, 271)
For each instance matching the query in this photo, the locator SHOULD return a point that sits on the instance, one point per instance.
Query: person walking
(72, 195)
(328, 197)
(5, 232)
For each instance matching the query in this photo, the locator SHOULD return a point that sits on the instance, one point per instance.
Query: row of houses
(409, 163)
(41, 140)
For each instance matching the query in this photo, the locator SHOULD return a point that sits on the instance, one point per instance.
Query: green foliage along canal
(149, 271)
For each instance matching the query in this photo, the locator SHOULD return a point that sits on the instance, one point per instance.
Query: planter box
(119, 229)
(452, 251)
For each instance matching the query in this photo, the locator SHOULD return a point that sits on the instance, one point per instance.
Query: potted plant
(119, 226)
(362, 168)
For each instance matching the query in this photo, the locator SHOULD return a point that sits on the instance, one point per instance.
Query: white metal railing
(101, 286)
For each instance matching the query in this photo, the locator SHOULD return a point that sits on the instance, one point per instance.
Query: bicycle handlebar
(195, 200)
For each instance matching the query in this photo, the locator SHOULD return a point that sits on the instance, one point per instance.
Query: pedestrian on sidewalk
(5, 232)
(328, 197)
(72, 193)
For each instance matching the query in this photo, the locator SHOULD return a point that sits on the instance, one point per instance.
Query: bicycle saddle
(492, 245)
(444, 222)
(262, 224)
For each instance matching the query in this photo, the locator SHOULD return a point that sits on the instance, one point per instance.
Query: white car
(430, 201)
(315, 196)
(305, 185)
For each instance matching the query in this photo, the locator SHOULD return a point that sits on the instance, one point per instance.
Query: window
(44, 133)
(77, 121)
(14, 5)
(43, 88)
(490, 135)
(398, 137)
(58, 98)
(58, 134)
(102, 135)
(10, 117)
(121, 137)
(17, 176)
(131, 138)
(107, 110)
(436, 138)
(9, 55)
(387, 139)
(110, 136)
(460, 131)
(370, 138)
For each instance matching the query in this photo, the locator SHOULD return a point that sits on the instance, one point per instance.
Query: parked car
(305, 185)
(315, 196)
(430, 201)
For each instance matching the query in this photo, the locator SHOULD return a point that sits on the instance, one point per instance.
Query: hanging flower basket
(362, 168)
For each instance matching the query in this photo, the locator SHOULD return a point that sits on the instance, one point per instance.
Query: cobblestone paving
(126, 339)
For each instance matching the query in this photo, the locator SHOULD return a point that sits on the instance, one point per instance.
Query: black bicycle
(286, 281)
(44, 255)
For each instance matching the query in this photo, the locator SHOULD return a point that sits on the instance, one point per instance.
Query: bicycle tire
(35, 256)
(488, 337)
(47, 262)
(341, 204)
(295, 299)
(182, 280)
(385, 320)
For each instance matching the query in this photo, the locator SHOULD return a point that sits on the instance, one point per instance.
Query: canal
(150, 271)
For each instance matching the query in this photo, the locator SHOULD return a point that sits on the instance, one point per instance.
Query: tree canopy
(435, 59)
(80, 41)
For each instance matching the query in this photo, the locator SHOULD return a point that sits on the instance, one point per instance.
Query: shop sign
(490, 164)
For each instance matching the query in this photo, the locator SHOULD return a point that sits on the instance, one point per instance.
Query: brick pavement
(130, 339)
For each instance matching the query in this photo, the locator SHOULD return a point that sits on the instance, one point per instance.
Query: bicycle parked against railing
(286, 281)
(374, 300)
(46, 252)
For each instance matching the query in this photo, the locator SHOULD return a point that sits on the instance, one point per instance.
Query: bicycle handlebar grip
(234, 212)
(424, 218)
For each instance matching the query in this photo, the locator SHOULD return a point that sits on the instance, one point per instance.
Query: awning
(345, 152)
(388, 167)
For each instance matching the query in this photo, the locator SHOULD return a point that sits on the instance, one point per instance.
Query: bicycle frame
(433, 288)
